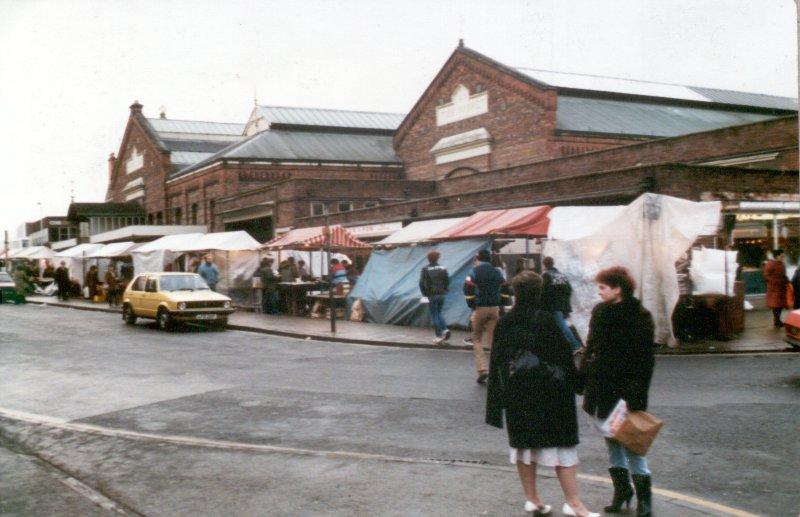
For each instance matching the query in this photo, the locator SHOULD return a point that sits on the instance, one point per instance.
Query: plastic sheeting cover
(389, 285)
(708, 271)
(574, 222)
(647, 237)
(420, 231)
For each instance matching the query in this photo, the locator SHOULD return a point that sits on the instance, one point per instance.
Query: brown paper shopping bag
(638, 431)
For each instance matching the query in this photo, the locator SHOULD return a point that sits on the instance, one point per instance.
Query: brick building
(482, 135)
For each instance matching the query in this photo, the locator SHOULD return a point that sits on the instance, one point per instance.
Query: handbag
(638, 431)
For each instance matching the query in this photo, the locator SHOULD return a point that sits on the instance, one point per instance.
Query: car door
(150, 297)
(135, 294)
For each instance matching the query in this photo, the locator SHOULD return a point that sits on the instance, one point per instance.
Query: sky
(70, 69)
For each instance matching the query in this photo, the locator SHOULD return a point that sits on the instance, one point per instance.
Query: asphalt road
(344, 429)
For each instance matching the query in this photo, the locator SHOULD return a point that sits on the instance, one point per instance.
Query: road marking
(63, 424)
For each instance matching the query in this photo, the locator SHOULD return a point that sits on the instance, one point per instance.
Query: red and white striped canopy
(310, 239)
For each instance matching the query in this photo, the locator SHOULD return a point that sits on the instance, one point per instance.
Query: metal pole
(330, 273)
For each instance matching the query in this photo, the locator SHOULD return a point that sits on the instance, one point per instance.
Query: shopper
(618, 364)
(433, 283)
(62, 281)
(556, 293)
(775, 277)
(532, 379)
(208, 270)
(112, 285)
(269, 286)
(487, 280)
(91, 281)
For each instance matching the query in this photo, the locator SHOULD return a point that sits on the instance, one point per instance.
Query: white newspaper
(615, 419)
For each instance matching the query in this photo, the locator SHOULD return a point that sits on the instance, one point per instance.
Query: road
(203, 422)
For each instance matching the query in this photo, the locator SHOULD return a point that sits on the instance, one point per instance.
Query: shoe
(438, 341)
(644, 495)
(482, 378)
(446, 335)
(467, 341)
(567, 510)
(623, 491)
(531, 507)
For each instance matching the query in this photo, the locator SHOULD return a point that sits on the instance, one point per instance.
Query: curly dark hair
(527, 287)
(617, 276)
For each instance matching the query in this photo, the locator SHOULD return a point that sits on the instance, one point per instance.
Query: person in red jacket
(775, 277)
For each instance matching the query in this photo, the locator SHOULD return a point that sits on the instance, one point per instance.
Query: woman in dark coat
(775, 277)
(539, 401)
(618, 364)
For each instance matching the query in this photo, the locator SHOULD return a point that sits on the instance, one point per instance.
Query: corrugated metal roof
(306, 146)
(654, 89)
(187, 158)
(644, 119)
(165, 125)
(330, 118)
(196, 146)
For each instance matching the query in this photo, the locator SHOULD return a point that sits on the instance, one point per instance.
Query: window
(370, 204)
(345, 206)
(317, 208)
(138, 284)
(159, 218)
(149, 218)
(152, 285)
(194, 213)
(211, 205)
(177, 216)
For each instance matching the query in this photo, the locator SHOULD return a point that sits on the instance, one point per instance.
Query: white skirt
(547, 456)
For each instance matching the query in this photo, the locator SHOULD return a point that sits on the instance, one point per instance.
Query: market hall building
(482, 135)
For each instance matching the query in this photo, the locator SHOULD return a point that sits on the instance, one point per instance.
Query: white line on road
(59, 423)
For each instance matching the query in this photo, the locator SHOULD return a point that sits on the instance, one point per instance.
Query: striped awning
(315, 238)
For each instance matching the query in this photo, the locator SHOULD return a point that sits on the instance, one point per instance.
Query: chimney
(112, 162)
(136, 107)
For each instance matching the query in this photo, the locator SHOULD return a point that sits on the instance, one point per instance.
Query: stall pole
(330, 274)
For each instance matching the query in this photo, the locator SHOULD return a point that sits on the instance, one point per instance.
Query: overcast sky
(70, 69)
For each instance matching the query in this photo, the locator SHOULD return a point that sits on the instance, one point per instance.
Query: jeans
(621, 457)
(269, 302)
(562, 323)
(435, 305)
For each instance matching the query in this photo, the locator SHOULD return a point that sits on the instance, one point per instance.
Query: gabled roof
(285, 145)
(329, 118)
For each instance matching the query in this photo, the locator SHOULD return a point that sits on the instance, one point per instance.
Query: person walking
(538, 400)
(112, 286)
(269, 286)
(208, 270)
(433, 284)
(487, 281)
(91, 281)
(62, 281)
(618, 364)
(775, 277)
(556, 292)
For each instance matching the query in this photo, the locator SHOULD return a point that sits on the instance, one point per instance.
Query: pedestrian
(556, 293)
(269, 286)
(487, 280)
(433, 283)
(62, 281)
(539, 401)
(49, 271)
(302, 270)
(91, 281)
(775, 277)
(288, 270)
(337, 273)
(126, 272)
(112, 285)
(208, 270)
(618, 364)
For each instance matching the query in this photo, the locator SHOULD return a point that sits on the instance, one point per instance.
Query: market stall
(75, 259)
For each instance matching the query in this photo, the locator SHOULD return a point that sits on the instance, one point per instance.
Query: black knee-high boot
(623, 491)
(644, 495)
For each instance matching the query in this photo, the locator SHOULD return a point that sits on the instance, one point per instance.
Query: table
(322, 303)
(295, 296)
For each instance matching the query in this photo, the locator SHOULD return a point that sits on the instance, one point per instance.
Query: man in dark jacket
(487, 280)
(433, 283)
(269, 286)
(556, 292)
(62, 281)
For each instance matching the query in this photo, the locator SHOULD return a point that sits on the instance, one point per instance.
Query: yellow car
(170, 298)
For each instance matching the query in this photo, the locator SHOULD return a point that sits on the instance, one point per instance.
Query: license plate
(205, 317)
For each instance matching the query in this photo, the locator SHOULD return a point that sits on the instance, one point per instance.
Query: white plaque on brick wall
(462, 106)
(135, 162)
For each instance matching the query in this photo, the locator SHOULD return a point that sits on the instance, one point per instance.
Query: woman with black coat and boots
(618, 364)
(533, 379)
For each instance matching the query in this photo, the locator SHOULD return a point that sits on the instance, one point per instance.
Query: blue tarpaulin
(389, 285)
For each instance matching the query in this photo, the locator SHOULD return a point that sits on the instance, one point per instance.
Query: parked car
(792, 327)
(8, 290)
(172, 298)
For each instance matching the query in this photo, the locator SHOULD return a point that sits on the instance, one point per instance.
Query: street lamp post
(327, 231)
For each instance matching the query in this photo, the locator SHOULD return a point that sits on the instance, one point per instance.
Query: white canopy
(113, 250)
(419, 231)
(221, 241)
(574, 222)
(79, 251)
(34, 252)
(647, 237)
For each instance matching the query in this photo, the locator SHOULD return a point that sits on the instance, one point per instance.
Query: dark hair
(777, 252)
(484, 256)
(548, 262)
(527, 288)
(334, 261)
(433, 256)
(617, 276)
(301, 261)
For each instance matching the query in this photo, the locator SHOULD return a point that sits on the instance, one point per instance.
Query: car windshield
(5, 277)
(183, 283)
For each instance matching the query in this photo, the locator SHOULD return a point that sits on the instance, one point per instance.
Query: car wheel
(164, 320)
(127, 315)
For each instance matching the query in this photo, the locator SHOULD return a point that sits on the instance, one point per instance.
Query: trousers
(483, 319)
(435, 306)
(621, 457)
